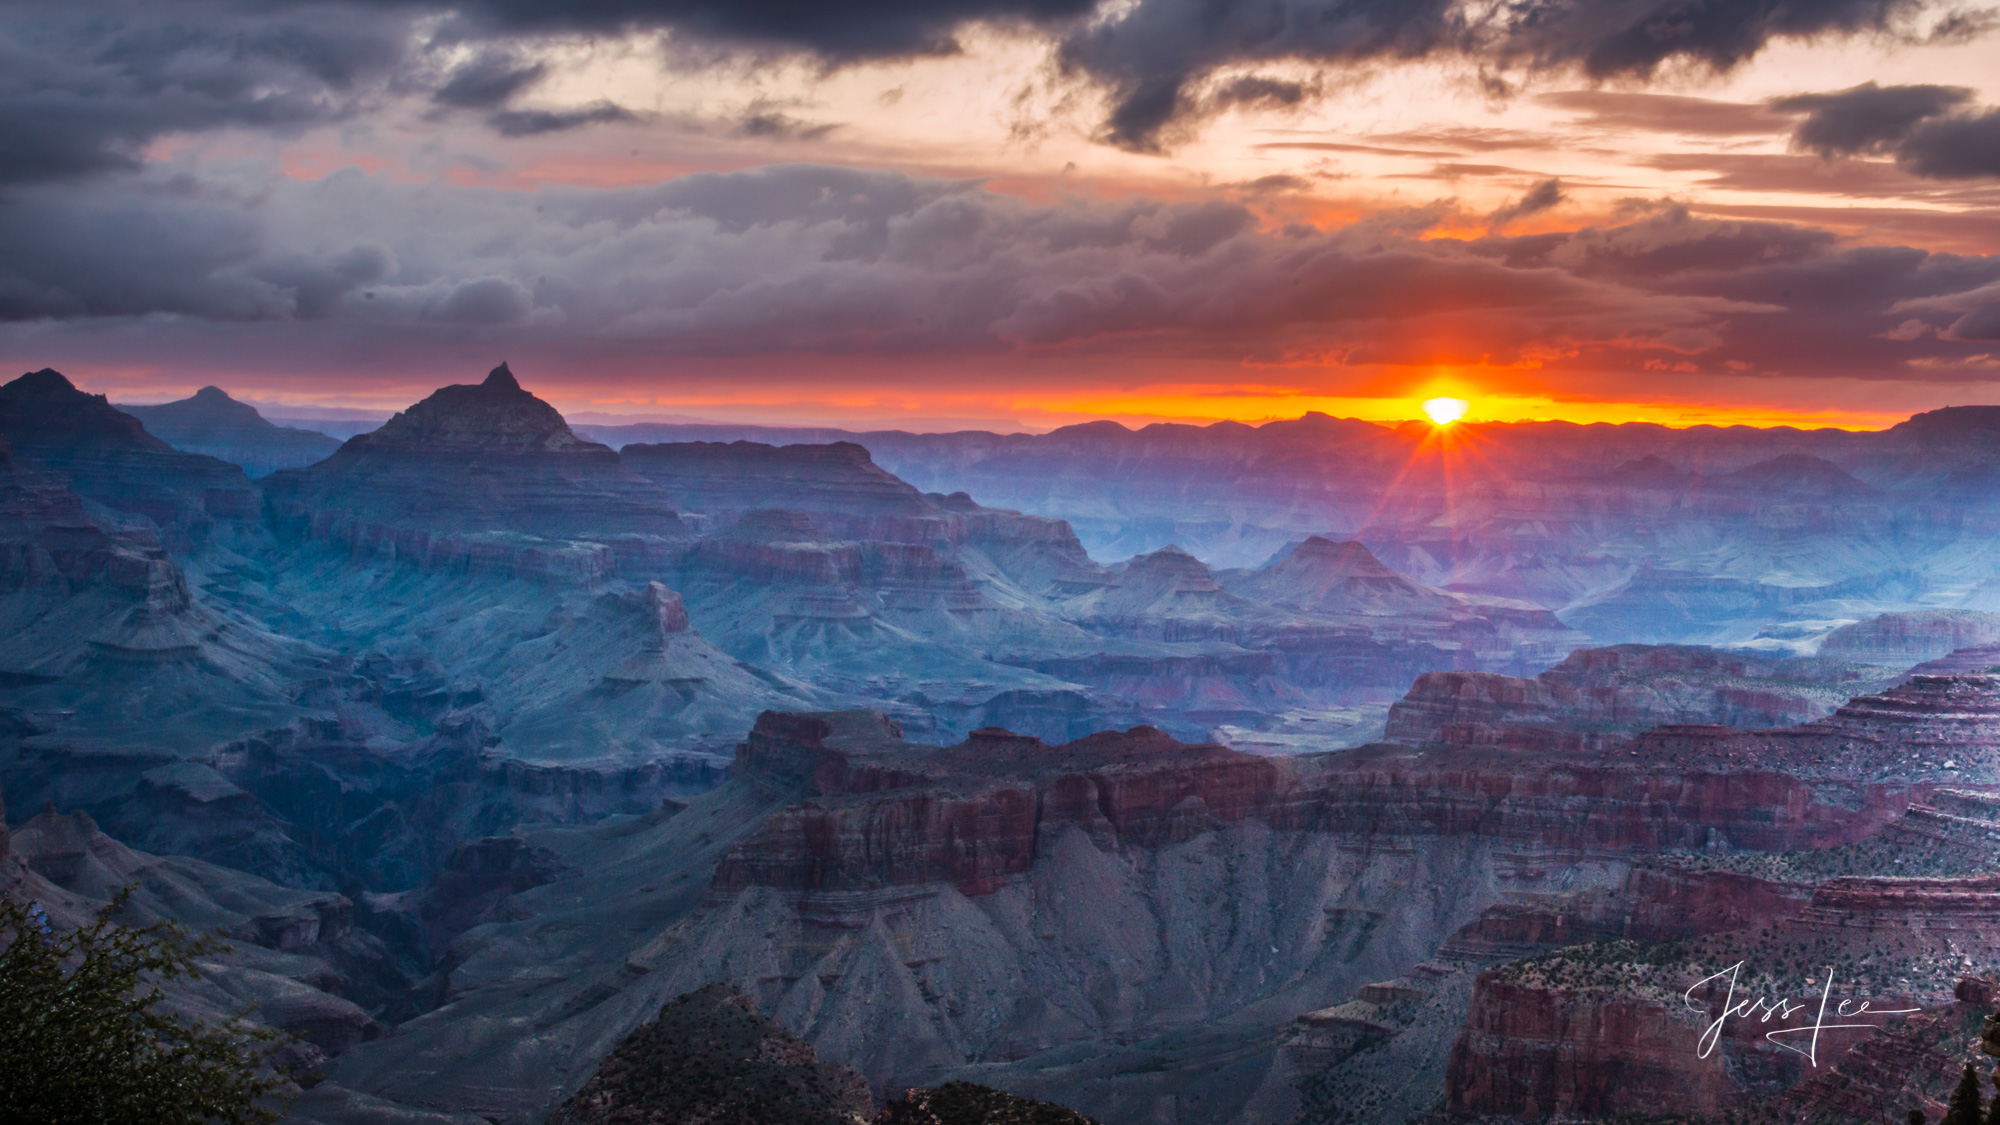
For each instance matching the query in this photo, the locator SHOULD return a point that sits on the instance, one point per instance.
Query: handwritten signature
(1766, 1008)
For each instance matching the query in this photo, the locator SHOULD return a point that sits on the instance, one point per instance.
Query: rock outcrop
(294, 961)
(1904, 639)
(214, 425)
(710, 1057)
(1600, 696)
(1928, 729)
(964, 1103)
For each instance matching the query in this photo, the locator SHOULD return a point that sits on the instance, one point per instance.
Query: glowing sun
(1445, 411)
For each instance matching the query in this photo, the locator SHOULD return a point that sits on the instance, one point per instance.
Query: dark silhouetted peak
(1794, 473)
(210, 406)
(1168, 563)
(495, 415)
(1650, 471)
(1952, 421)
(44, 411)
(44, 382)
(709, 1056)
(219, 426)
(1347, 558)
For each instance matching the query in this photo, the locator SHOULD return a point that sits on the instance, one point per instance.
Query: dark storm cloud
(1867, 118)
(532, 122)
(808, 259)
(841, 32)
(1830, 306)
(1668, 113)
(1956, 147)
(1928, 129)
(83, 90)
(1540, 198)
(490, 79)
(1155, 54)
(1982, 323)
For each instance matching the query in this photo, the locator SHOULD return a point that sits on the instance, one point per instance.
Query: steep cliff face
(104, 637)
(108, 457)
(1599, 696)
(1934, 729)
(295, 963)
(214, 425)
(974, 911)
(1911, 638)
(477, 476)
(1603, 1019)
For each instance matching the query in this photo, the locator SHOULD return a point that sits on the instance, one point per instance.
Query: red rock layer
(880, 812)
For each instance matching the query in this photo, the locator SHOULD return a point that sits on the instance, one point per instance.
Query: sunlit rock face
(214, 425)
(108, 457)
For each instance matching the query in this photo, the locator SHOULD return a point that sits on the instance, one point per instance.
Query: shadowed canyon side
(914, 911)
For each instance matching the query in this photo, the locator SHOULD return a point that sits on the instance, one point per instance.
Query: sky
(1012, 214)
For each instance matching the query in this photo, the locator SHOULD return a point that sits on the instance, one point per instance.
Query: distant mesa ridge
(213, 424)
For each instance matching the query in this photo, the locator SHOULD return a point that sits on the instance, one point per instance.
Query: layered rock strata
(1598, 697)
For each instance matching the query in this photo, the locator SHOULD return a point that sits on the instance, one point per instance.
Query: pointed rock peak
(1349, 556)
(1168, 560)
(42, 382)
(42, 410)
(494, 415)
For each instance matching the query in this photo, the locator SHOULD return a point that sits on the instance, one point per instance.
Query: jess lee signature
(1764, 1009)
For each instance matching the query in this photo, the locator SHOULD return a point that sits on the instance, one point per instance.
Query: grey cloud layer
(84, 90)
(1928, 129)
(818, 259)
